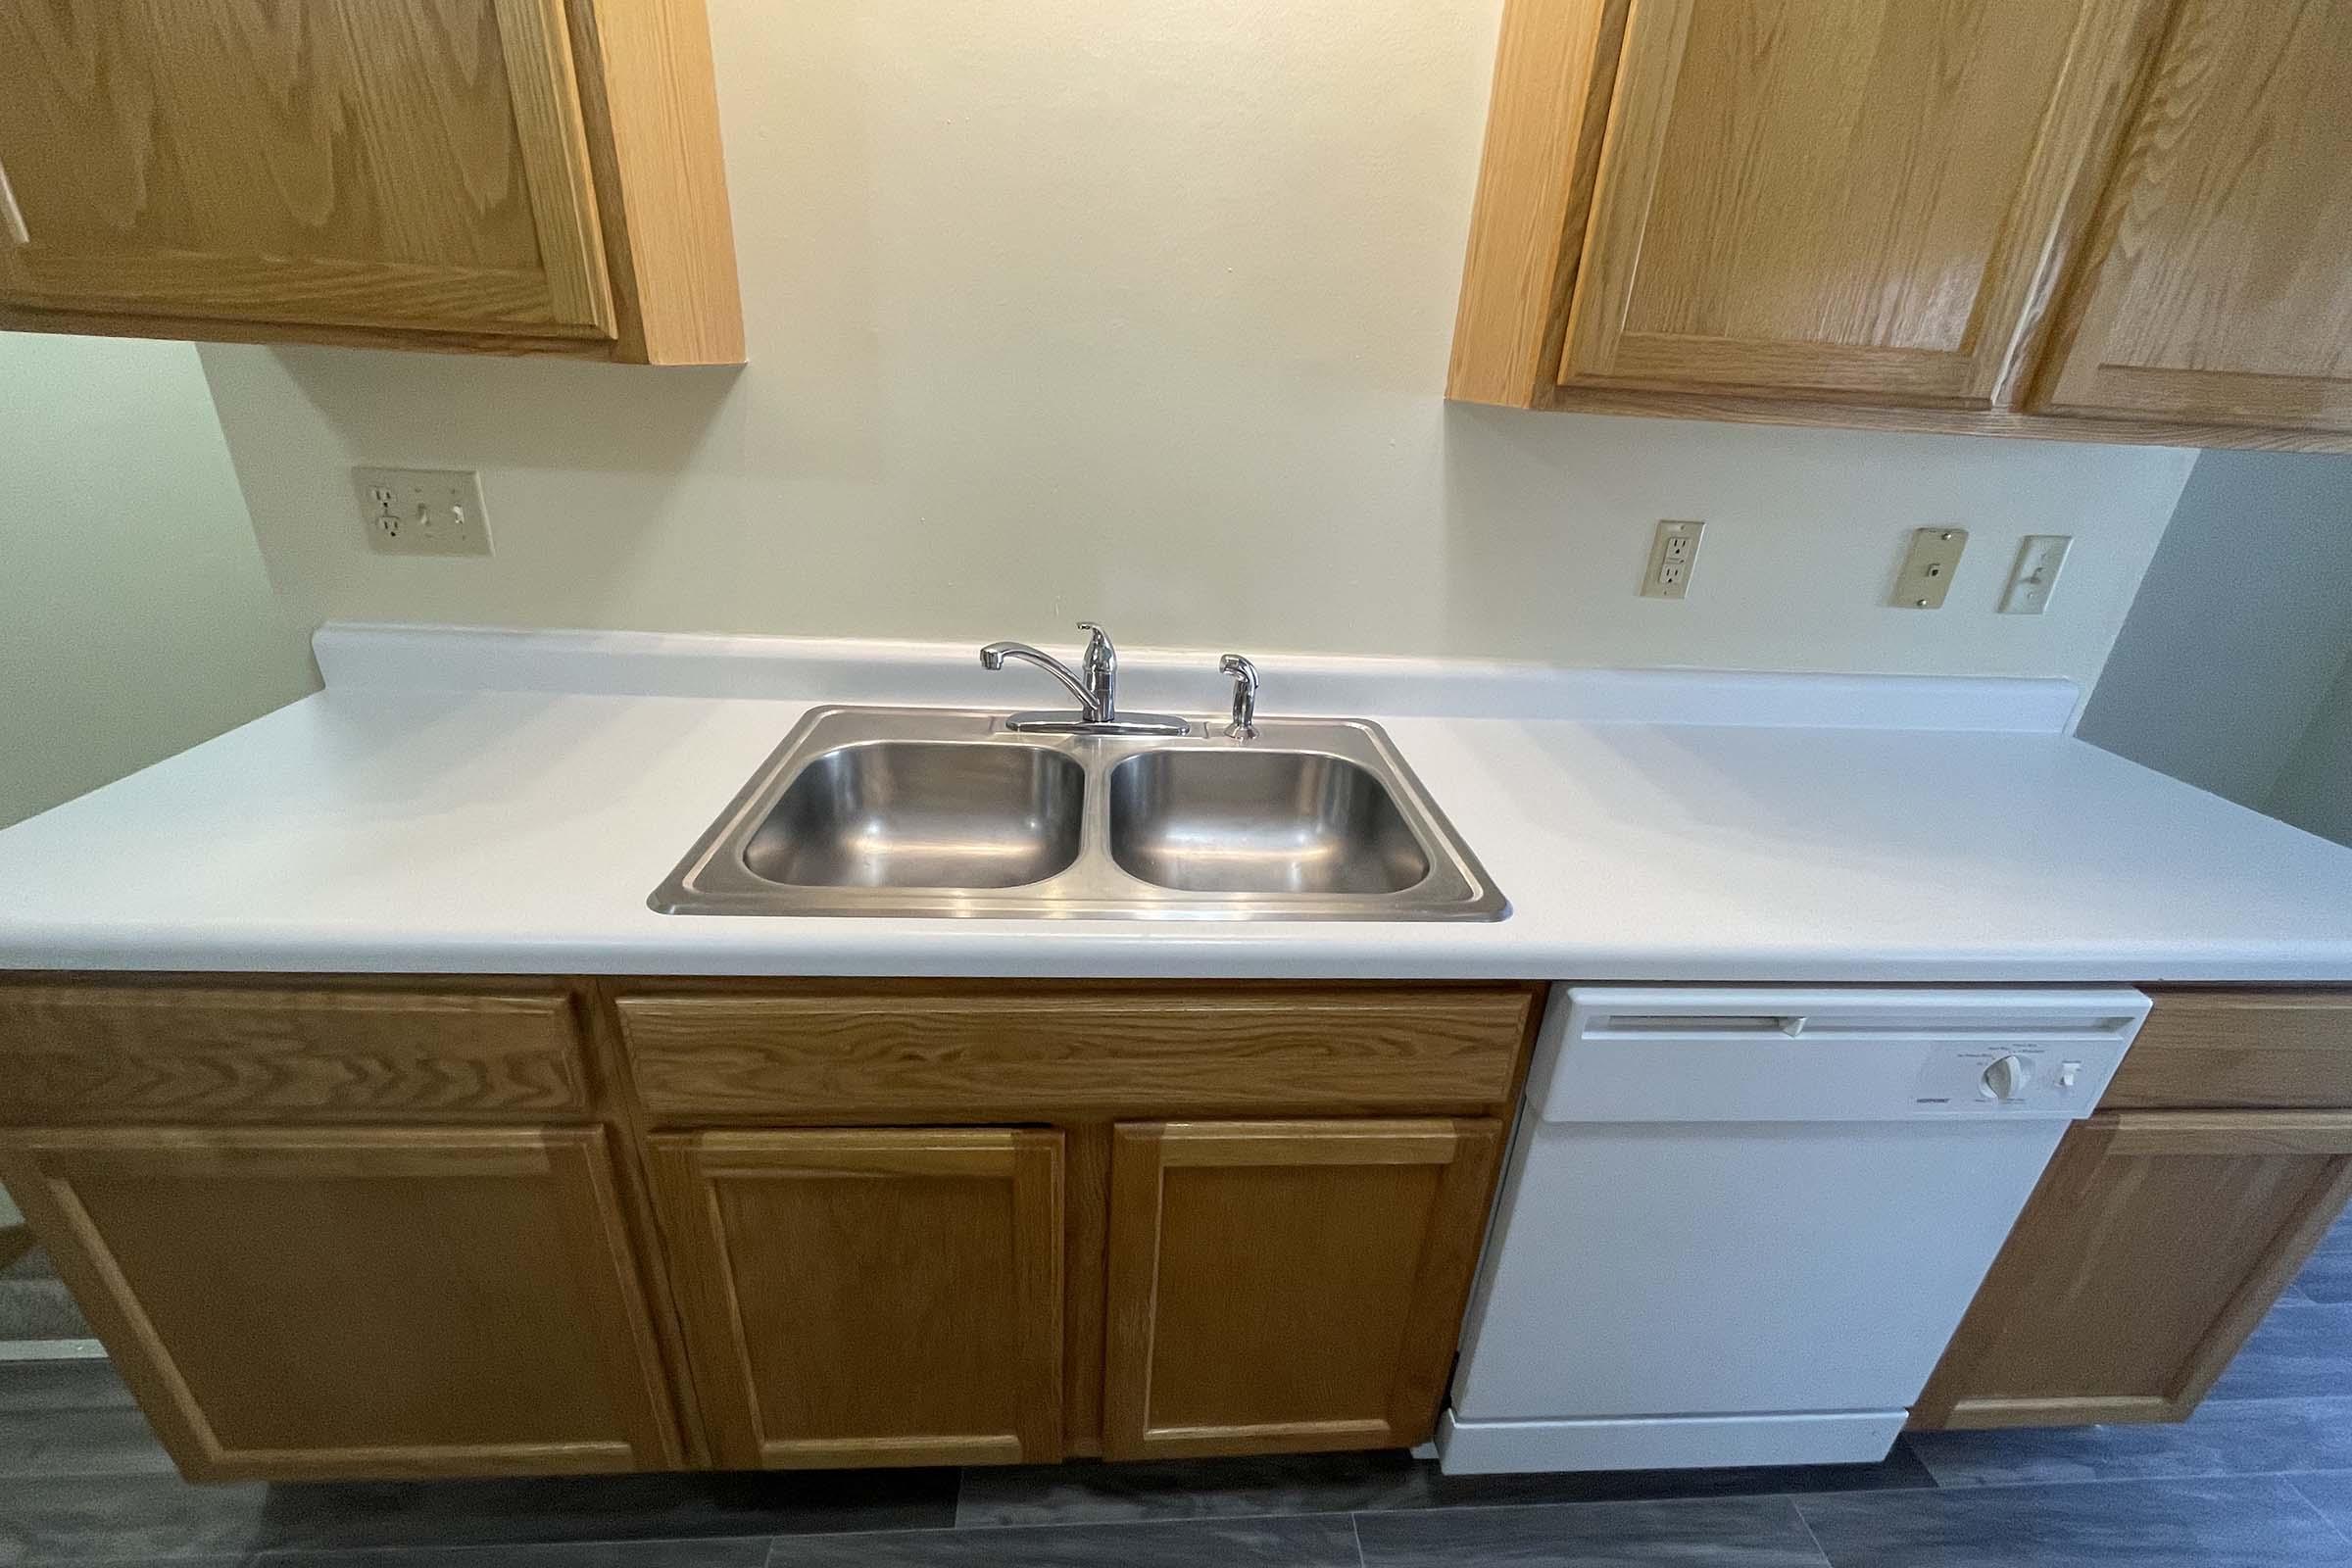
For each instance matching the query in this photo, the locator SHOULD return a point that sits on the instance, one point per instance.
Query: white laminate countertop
(382, 826)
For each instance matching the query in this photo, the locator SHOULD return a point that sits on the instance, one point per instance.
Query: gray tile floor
(2262, 1476)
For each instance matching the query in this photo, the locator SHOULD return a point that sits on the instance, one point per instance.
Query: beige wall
(1139, 309)
(135, 618)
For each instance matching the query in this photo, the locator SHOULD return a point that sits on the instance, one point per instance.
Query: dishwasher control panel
(2014, 1073)
(1627, 1054)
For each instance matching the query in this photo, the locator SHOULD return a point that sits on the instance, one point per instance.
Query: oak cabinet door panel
(359, 1302)
(870, 1297)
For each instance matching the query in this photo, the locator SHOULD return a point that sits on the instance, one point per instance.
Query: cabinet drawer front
(2273, 1048)
(1033, 1050)
(141, 1053)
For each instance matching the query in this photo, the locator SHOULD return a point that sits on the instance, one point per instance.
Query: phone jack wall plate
(1928, 569)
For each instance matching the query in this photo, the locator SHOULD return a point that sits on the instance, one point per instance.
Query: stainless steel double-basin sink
(943, 812)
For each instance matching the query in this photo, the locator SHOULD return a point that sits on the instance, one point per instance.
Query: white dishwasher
(1739, 1226)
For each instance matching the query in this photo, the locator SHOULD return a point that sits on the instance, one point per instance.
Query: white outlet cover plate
(1673, 557)
(422, 512)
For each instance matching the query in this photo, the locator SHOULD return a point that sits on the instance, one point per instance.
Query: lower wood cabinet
(2154, 1247)
(1037, 1219)
(870, 1297)
(352, 1301)
(1288, 1286)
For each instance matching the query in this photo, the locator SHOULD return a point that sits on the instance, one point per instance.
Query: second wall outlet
(1672, 559)
(422, 512)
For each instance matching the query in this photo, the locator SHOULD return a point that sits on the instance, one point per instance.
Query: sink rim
(711, 880)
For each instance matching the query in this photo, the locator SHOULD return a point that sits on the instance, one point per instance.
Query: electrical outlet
(423, 512)
(1673, 557)
(2039, 559)
(1928, 570)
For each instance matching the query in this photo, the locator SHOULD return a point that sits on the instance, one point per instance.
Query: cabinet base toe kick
(1666, 1443)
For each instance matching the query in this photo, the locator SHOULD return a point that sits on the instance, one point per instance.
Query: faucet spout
(1095, 683)
(993, 656)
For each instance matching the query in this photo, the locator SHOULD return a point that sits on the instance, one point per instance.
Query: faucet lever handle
(1100, 665)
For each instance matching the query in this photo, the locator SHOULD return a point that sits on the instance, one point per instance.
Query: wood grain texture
(503, 176)
(1555, 71)
(607, 1075)
(2216, 285)
(650, 88)
(418, 166)
(1846, 195)
(199, 330)
(2154, 1244)
(355, 1303)
(1023, 1051)
(1791, 408)
(871, 1297)
(2239, 1048)
(1287, 1287)
(1086, 1209)
(136, 1052)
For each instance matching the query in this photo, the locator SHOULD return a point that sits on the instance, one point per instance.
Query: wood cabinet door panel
(2154, 1244)
(1839, 196)
(337, 162)
(857, 1297)
(359, 1302)
(1287, 1286)
(2218, 281)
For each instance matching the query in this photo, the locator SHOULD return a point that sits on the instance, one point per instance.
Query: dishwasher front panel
(1727, 1268)
(1740, 1225)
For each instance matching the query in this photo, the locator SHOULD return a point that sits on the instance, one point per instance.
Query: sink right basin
(1259, 821)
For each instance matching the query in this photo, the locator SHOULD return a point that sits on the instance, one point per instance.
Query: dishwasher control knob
(2006, 1078)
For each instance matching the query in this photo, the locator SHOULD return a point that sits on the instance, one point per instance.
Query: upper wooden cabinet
(2216, 283)
(2110, 219)
(1835, 194)
(511, 176)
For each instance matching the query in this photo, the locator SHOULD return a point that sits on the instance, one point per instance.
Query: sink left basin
(922, 814)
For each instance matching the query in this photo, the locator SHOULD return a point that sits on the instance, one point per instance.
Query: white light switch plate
(2039, 559)
(422, 512)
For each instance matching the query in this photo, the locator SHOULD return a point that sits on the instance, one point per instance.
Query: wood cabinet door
(2154, 1244)
(1847, 197)
(2216, 283)
(1277, 1287)
(356, 1302)
(867, 1297)
(357, 163)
